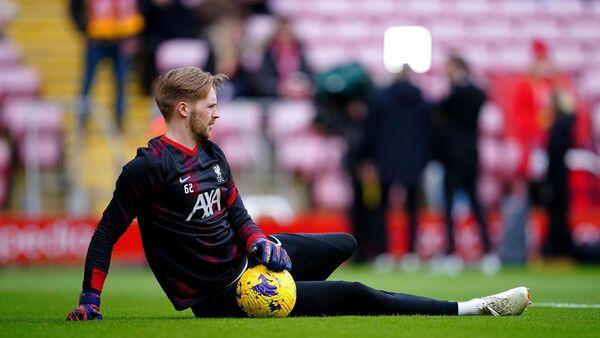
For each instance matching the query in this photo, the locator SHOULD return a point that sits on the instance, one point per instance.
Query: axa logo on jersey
(206, 202)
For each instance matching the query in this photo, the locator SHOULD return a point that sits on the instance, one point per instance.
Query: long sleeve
(246, 230)
(239, 219)
(134, 188)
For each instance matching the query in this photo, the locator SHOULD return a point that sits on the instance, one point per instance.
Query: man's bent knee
(348, 246)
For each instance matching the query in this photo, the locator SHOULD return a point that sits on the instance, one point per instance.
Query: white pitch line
(567, 305)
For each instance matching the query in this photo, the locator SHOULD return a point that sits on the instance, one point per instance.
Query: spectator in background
(284, 71)
(366, 211)
(342, 110)
(459, 115)
(164, 20)
(110, 27)
(398, 135)
(226, 44)
(532, 115)
(555, 189)
(529, 117)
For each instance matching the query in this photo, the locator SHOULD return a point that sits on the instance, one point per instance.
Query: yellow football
(264, 293)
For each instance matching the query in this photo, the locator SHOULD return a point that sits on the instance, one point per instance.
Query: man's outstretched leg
(333, 298)
(327, 298)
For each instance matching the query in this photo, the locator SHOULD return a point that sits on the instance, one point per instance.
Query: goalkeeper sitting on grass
(198, 237)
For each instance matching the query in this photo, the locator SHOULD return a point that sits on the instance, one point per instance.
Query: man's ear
(182, 108)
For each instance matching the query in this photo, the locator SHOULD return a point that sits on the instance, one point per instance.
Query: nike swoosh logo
(181, 179)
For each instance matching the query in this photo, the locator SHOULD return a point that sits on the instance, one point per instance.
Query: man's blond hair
(188, 84)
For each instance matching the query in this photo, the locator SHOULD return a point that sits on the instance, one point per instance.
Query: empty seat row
(36, 127)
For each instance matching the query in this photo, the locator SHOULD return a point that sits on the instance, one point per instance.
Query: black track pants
(314, 257)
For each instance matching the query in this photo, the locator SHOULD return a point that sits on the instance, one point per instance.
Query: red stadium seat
(564, 8)
(310, 154)
(439, 55)
(332, 191)
(239, 117)
(379, 9)
(309, 29)
(45, 150)
(492, 30)
(491, 120)
(582, 30)
(321, 58)
(593, 58)
(10, 54)
(331, 9)
(446, 30)
(288, 8)
(180, 53)
(242, 151)
(351, 31)
(490, 154)
(516, 8)
(489, 189)
(37, 127)
(21, 114)
(371, 58)
(590, 85)
(426, 9)
(259, 29)
(594, 11)
(513, 58)
(569, 57)
(287, 118)
(20, 81)
(472, 9)
(480, 56)
(539, 28)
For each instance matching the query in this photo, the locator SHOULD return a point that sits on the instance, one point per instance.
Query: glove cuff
(252, 239)
(90, 297)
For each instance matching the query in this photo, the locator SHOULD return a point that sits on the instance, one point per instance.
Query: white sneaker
(508, 303)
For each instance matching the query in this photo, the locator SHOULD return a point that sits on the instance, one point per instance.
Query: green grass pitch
(34, 303)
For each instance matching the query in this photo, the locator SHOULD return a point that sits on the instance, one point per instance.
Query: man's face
(203, 116)
(453, 71)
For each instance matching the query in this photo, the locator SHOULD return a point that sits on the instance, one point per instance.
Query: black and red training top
(194, 227)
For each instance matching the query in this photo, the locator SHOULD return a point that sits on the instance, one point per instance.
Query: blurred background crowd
(488, 158)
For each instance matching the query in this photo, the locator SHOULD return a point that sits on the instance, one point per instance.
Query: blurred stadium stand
(52, 51)
(176, 53)
(272, 143)
(494, 35)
